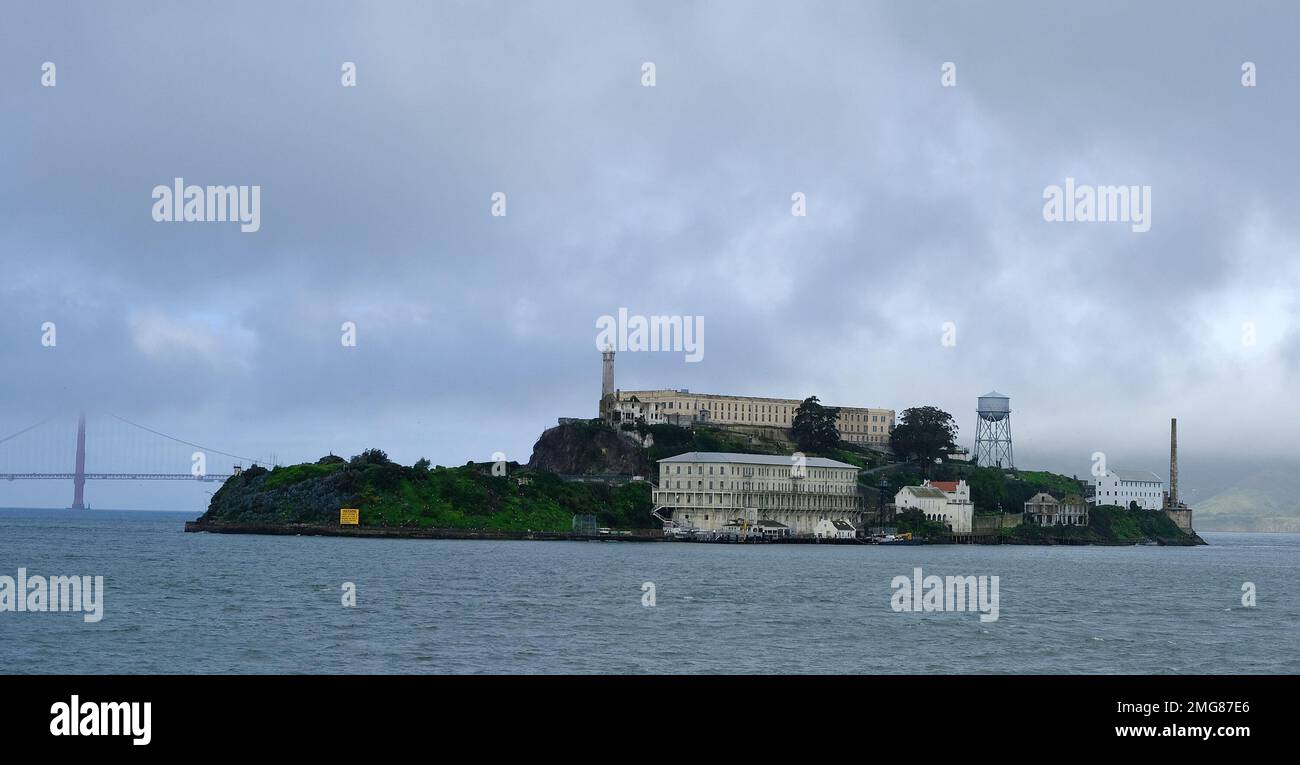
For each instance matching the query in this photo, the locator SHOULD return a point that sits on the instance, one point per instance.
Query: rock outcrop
(587, 448)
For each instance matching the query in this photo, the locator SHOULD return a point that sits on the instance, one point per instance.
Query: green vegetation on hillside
(1109, 523)
(990, 488)
(389, 494)
(1121, 523)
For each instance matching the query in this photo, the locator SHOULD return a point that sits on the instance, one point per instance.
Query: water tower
(993, 431)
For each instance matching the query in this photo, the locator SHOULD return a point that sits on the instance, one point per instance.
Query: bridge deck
(114, 476)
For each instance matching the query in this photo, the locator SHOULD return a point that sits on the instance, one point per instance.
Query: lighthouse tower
(608, 395)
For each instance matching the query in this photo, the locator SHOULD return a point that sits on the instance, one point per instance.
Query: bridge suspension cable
(200, 447)
(12, 436)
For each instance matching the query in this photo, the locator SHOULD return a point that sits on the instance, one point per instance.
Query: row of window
(760, 500)
(839, 474)
(822, 488)
(786, 412)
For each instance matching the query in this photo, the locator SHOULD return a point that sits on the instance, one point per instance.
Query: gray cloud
(475, 332)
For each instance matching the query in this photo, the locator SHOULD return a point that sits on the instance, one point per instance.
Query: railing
(115, 476)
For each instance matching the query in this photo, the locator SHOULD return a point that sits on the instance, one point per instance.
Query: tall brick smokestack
(1173, 462)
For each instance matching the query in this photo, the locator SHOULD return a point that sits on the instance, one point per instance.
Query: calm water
(208, 603)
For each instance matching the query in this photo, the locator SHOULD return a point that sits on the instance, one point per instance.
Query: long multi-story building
(705, 490)
(858, 425)
(1122, 487)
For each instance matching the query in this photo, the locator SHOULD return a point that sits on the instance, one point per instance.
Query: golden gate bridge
(110, 448)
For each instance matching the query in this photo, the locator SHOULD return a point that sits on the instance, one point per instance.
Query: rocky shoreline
(640, 535)
(397, 532)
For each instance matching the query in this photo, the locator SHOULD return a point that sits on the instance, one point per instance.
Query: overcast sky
(474, 332)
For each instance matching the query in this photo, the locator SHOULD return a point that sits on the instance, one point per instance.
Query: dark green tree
(924, 433)
(371, 457)
(988, 490)
(814, 426)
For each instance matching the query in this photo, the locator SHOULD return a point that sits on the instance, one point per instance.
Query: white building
(1120, 487)
(770, 529)
(705, 490)
(947, 502)
(957, 491)
(835, 529)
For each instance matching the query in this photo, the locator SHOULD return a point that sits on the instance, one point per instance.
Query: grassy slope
(1109, 523)
(394, 495)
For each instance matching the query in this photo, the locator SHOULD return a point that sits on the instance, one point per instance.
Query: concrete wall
(1181, 517)
(984, 524)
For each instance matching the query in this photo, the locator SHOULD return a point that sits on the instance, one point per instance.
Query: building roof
(924, 491)
(755, 459)
(948, 486)
(843, 525)
(1137, 475)
(1042, 498)
(772, 524)
(755, 399)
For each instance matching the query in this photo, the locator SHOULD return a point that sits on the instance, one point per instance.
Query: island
(588, 479)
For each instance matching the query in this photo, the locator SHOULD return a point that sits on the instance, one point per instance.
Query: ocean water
(209, 603)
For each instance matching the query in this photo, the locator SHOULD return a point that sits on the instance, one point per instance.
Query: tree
(370, 457)
(814, 426)
(926, 433)
(988, 490)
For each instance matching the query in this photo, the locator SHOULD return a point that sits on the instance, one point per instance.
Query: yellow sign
(349, 516)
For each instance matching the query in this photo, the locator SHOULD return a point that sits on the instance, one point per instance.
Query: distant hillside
(1268, 500)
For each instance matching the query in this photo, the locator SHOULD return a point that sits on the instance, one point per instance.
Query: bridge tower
(79, 479)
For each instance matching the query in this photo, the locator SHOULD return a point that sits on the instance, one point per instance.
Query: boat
(897, 539)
